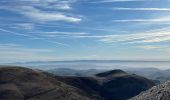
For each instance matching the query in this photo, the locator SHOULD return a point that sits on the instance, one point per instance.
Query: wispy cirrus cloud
(109, 1)
(19, 53)
(16, 52)
(27, 26)
(50, 4)
(14, 33)
(151, 20)
(154, 36)
(153, 47)
(43, 11)
(54, 34)
(142, 9)
(160, 48)
(33, 37)
(39, 15)
(19, 48)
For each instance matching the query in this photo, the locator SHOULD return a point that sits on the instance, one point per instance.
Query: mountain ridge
(28, 84)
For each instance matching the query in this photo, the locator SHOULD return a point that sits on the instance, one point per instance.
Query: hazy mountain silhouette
(74, 72)
(152, 73)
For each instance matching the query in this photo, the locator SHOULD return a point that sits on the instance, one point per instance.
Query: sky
(55, 30)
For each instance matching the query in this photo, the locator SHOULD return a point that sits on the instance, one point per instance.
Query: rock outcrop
(159, 92)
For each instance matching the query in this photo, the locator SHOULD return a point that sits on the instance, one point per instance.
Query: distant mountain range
(75, 72)
(101, 61)
(151, 73)
(17, 83)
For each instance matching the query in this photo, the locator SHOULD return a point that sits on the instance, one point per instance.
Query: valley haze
(94, 64)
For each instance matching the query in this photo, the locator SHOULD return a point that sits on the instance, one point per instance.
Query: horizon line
(92, 60)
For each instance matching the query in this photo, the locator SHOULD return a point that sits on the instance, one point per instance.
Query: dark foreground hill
(26, 84)
(160, 92)
(18, 83)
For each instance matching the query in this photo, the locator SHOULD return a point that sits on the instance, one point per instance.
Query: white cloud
(154, 36)
(16, 52)
(44, 16)
(43, 10)
(14, 33)
(150, 47)
(27, 26)
(34, 37)
(17, 47)
(60, 6)
(54, 34)
(109, 1)
(50, 4)
(162, 48)
(152, 20)
(158, 39)
(143, 9)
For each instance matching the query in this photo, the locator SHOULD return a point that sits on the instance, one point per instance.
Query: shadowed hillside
(111, 85)
(18, 83)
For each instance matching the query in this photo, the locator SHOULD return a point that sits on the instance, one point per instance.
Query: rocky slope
(159, 92)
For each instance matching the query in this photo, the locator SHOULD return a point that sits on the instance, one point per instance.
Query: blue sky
(41, 30)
